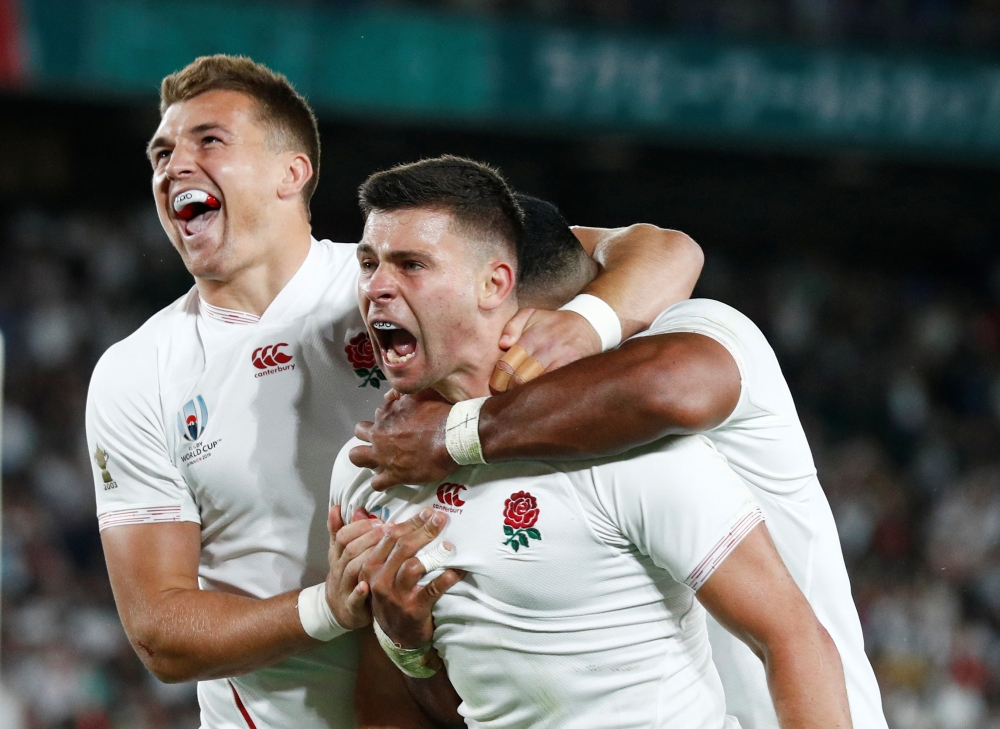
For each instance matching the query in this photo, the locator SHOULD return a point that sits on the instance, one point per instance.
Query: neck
(471, 377)
(254, 286)
(468, 383)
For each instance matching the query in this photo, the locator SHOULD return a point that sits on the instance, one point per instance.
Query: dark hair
(475, 193)
(550, 254)
(290, 120)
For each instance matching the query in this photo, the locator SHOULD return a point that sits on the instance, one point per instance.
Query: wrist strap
(316, 616)
(411, 661)
(461, 432)
(601, 316)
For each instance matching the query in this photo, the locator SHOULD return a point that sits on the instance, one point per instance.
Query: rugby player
(579, 606)
(214, 427)
(701, 367)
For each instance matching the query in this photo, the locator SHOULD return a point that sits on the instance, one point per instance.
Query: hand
(407, 441)
(547, 340)
(399, 604)
(349, 547)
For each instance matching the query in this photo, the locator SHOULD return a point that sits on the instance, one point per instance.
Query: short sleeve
(679, 503)
(763, 387)
(135, 478)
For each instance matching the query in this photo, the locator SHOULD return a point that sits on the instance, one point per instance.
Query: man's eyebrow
(208, 126)
(155, 143)
(200, 129)
(403, 255)
(367, 249)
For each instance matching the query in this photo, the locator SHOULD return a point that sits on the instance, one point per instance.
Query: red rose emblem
(360, 351)
(520, 510)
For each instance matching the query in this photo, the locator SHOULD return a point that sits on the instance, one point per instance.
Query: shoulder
(705, 314)
(130, 366)
(337, 254)
(729, 327)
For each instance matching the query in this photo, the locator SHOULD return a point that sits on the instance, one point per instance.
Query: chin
(407, 384)
(205, 264)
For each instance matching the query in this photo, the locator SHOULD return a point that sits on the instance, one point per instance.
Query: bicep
(146, 560)
(753, 595)
(692, 380)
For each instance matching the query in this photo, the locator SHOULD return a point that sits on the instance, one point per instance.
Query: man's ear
(298, 171)
(498, 285)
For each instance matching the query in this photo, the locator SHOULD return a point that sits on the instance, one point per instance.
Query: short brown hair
(290, 120)
(475, 193)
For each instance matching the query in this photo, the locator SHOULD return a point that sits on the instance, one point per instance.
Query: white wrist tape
(601, 316)
(461, 432)
(316, 616)
(410, 661)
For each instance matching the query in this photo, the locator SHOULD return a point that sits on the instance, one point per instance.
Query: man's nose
(181, 163)
(381, 284)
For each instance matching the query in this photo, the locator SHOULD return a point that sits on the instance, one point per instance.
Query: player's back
(578, 609)
(764, 443)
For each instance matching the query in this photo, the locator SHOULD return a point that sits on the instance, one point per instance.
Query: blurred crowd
(964, 24)
(896, 376)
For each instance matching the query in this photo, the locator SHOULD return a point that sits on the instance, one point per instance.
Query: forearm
(202, 634)
(564, 414)
(438, 699)
(645, 269)
(807, 683)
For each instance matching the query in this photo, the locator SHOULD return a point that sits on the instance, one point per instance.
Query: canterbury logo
(450, 494)
(270, 356)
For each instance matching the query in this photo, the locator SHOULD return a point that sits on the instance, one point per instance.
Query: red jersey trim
(700, 574)
(241, 707)
(150, 515)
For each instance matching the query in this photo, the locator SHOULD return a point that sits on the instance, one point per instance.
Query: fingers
(334, 522)
(389, 535)
(515, 368)
(433, 590)
(529, 370)
(347, 535)
(408, 546)
(515, 327)
(363, 430)
(385, 480)
(363, 457)
(507, 366)
(393, 394)
(359, 514)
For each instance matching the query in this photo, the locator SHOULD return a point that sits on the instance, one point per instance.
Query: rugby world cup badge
(192, 419)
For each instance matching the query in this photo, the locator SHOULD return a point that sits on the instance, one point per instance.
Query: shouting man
(581, 604)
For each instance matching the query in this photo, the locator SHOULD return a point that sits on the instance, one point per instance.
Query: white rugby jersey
(764, 443)
(578, 610)
(216, 417)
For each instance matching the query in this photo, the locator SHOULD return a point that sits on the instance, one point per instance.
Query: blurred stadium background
(838, 161)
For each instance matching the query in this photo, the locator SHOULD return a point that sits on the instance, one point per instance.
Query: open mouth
(196, 210)
(397, 345)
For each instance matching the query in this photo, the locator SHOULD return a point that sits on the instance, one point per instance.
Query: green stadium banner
(413, 65)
